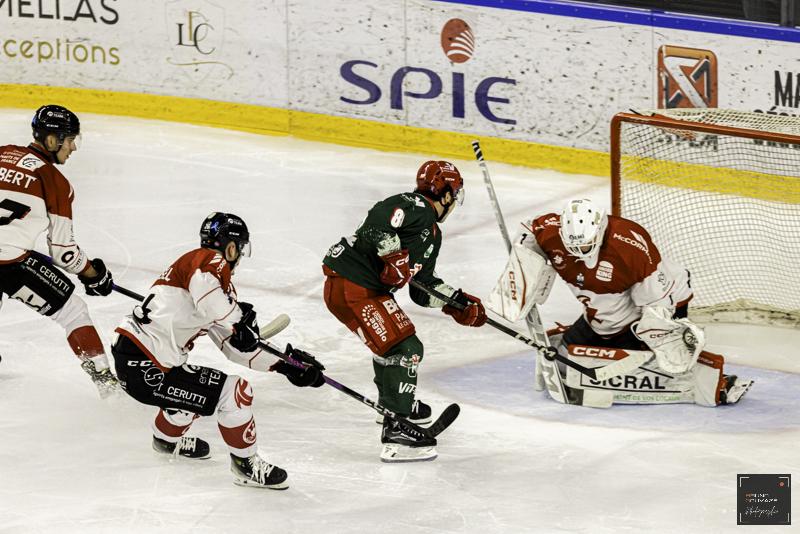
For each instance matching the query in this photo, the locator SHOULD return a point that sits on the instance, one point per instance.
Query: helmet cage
(582, 229)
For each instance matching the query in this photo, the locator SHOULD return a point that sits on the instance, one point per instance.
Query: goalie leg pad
(708, 379)
(646, 384)
(526, 281)
(712, 387)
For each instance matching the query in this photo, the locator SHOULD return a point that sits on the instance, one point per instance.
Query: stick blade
(277, 325)
(444, 420)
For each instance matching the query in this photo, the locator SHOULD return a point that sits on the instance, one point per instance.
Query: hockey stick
(121, 290)
(533, 319)
(444, 420)
(128, 293)
(476, 147)
(598, 373)
(275, 326)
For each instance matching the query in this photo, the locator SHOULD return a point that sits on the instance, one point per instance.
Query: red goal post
(719, 192)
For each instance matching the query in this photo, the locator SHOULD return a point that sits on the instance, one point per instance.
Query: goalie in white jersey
(195, 297)
(634, 300)
(36, 198)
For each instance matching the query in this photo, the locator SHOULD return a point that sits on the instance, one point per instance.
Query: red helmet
(435, 178)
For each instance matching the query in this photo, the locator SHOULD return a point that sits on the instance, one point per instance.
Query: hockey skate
(104, 380)
(734, 389)
(401, 446)
(186, 447)
(258, 473)
(421, 414)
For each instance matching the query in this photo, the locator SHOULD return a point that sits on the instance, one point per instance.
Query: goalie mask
(220, 229)
(437, 178)
(583, 226)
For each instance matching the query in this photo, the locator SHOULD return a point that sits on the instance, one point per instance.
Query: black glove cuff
(303, 356)
(310, 376)
(460, 298)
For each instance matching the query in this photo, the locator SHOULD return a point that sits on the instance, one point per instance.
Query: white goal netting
(719, 192)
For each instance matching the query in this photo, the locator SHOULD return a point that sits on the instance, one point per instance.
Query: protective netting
(724, 205)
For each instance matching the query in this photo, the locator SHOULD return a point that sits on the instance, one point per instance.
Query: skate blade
(171, 455)
(738, 390)
(392, 453)
(246, 482)
(379, 420)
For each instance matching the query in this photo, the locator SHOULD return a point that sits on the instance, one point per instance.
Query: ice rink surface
(514, 461)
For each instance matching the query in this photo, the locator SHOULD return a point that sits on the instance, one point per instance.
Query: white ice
(514, 461)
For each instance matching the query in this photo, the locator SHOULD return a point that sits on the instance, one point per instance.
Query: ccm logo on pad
(596, 352)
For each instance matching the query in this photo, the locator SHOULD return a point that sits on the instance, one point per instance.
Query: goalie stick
(476, 147)
(533, 319)
(611, 370)
(444, 420)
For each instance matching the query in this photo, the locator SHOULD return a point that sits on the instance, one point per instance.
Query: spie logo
(687, 78)
(458, 41)
(366, 86)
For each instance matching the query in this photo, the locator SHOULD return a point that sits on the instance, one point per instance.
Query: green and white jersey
(404, 221)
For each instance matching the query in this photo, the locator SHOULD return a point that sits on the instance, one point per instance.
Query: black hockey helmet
(53, 119)
(219, 229)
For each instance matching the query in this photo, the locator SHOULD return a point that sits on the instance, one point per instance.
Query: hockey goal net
(719, 191)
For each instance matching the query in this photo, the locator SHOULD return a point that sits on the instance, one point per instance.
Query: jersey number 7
(18, 211)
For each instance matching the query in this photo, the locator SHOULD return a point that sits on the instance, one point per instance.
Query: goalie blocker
(525, 282)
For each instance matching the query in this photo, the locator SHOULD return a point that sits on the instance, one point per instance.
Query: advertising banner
(192, 48)
(438, 66)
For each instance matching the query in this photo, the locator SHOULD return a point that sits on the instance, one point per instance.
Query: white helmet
(582, 228)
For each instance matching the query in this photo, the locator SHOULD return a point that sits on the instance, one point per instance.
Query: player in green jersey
(399, 239)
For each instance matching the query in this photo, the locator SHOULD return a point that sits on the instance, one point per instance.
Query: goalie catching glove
(472, 314)
(676, 343)
(310, 375)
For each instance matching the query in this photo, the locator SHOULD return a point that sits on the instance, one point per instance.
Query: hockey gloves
(245, 332)
(309, 375)
(100, 284)
(473, 313)
(396, 271)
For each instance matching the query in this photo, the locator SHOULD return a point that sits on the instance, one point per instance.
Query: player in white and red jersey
(192, 298)
(36, 198)
(633, 299)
